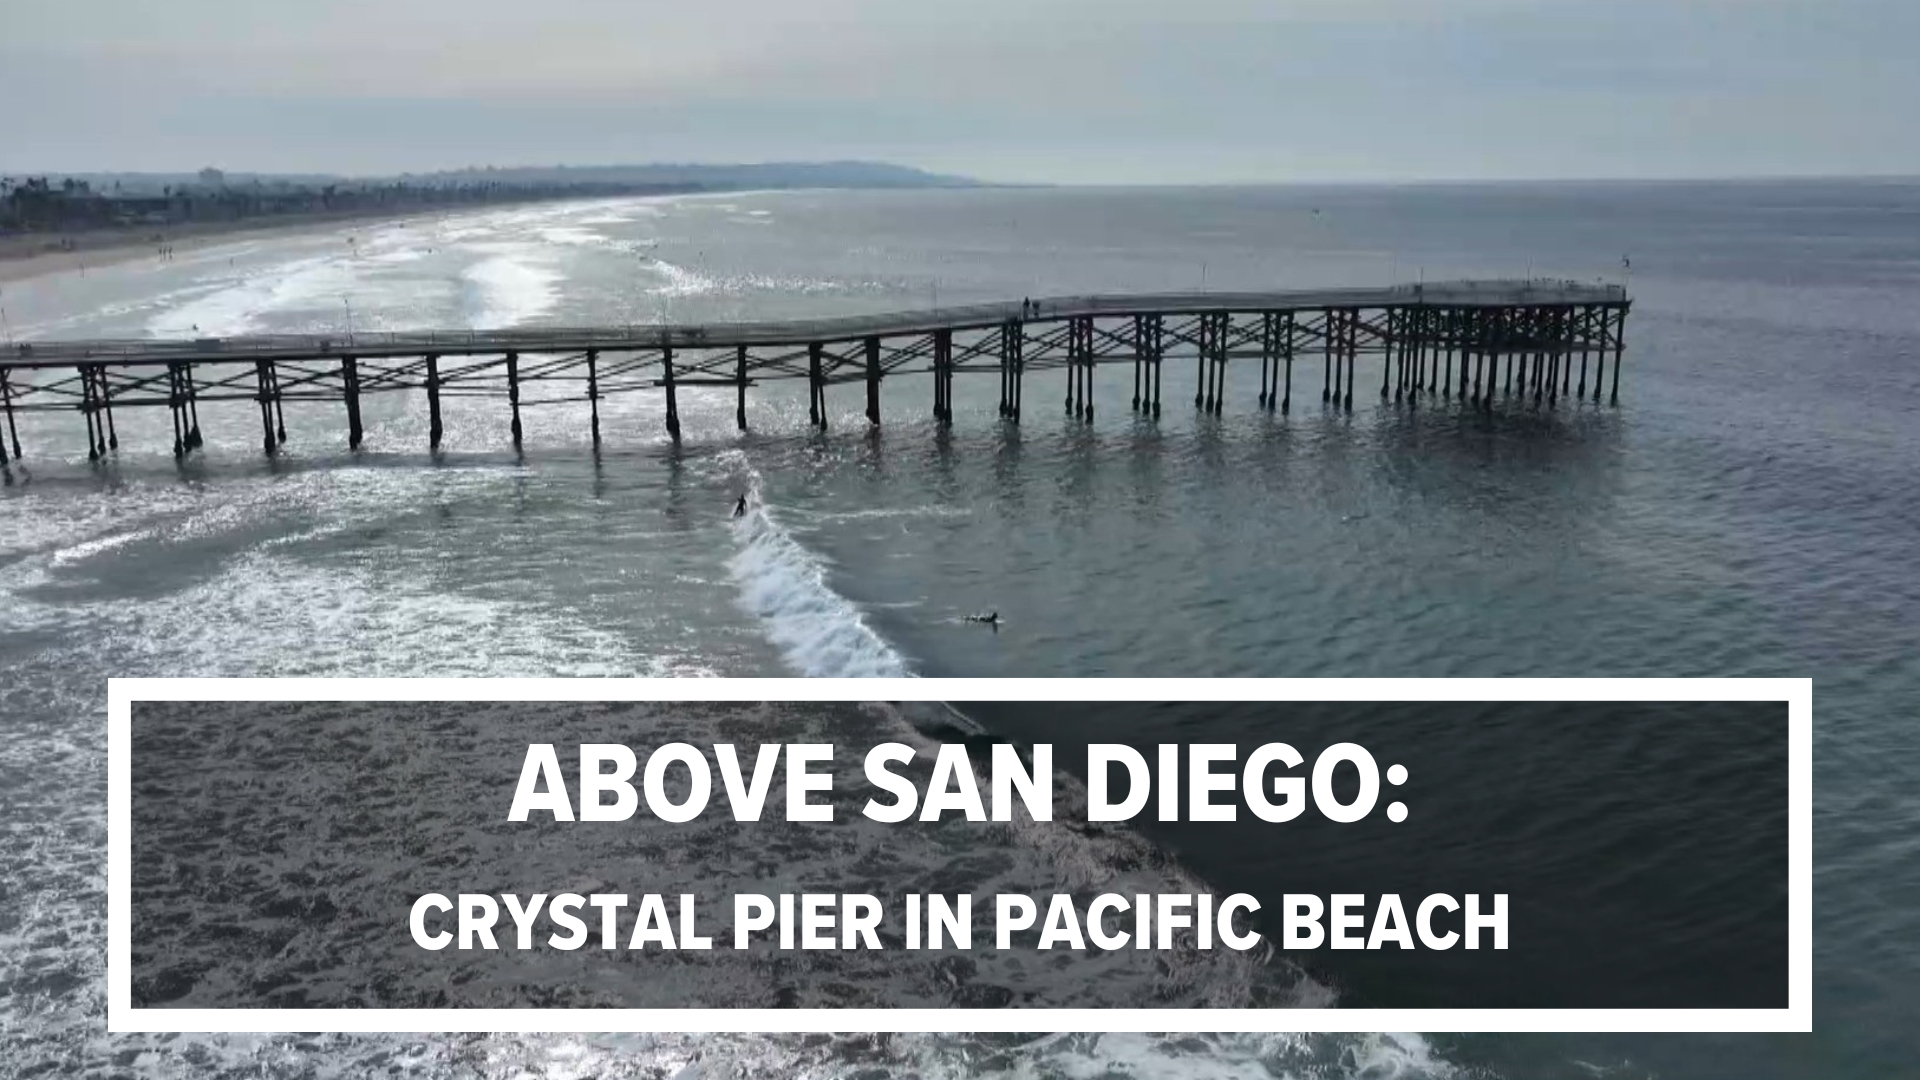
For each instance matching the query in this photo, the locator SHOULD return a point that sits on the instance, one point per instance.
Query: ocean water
(1749, 509)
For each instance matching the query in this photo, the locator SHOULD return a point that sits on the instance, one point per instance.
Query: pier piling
(943, 376)
(740, 380)
(1007, 369)
(1329, 323)
(1286, 398)
(673, 398)
(513, 395)
(1349, 359)
(816, 399)
(350, 389)
(1156, 352)
(1013, 354)
(7, 394)
(434, 429)
(1139, 357)
(96, 442)
(1267, 375)
(1201, 355)
(1388, 341)
(263, 377)
(1619, 346)
(593, 393)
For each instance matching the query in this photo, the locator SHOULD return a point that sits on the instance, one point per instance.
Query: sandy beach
(32, 255)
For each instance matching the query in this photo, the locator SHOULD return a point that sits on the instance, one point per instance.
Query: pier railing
(1460, 340)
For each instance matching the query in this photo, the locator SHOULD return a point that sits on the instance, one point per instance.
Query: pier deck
(1470, 340)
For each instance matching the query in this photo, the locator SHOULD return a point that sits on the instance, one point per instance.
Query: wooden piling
(1155, 356)
(194, 441)
(264, 398)
(1433, 339)
(816, 412)
(740, 380)
(1619, 348)
(1479, 353)
(1352, 354)
(943, 376)
(513, 396)
(1201, 354)
(1007, 369)
(1569, 319)
(1329, 331)
(1286, 399)
(1504, 345)
(1386, 351)
(434, 430)
(673, 397)
(1586, 350)
(1222, 357)
(174, 410)
(103, 408)
(106, 405)
(86, 407)
(279, 413)
(350, 389)
(1559, 329)
(1266, 356)
(1019, 368)
(1086, 370)
(1073, 367)
(1139, 357)
(873, 381)
(593, 393)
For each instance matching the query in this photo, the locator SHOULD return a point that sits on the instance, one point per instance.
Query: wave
(237, 308)
(510, 289)
(680, 281)
(819, 632)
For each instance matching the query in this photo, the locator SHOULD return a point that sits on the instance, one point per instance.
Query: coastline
(33, 255)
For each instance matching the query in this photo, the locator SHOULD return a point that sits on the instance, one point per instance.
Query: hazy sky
(1119, 91)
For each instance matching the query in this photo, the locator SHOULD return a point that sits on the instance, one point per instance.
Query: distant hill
(777, 174)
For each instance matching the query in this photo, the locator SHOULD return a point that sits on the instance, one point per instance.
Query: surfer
(740, 508)
(991, 618)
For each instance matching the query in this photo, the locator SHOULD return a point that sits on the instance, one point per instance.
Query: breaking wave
(819, 632)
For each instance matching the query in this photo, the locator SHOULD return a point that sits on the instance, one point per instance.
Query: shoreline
(28, 256)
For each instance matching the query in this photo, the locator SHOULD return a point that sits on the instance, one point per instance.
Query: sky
(1054, 91)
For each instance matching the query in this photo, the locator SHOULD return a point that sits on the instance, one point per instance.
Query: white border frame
(1796, 1017)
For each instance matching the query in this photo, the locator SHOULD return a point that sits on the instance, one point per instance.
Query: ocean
(1749, 509)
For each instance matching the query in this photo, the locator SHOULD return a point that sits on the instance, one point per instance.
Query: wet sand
(41, 254)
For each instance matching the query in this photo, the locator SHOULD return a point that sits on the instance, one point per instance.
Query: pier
(1473, 344)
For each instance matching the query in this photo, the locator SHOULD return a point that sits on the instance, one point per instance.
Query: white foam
(821, 633)
(88, 549)
(571, 234)
(512, 289)
(680, 281)
(237, 308)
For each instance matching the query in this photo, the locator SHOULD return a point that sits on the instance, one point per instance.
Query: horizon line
(935, 176)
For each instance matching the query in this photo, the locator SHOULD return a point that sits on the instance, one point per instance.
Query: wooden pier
(1471, 342)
